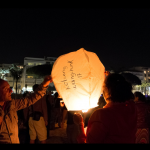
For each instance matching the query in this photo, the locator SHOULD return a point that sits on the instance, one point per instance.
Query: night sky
(120, 37)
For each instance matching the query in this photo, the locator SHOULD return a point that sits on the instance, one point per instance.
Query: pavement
(58, 135)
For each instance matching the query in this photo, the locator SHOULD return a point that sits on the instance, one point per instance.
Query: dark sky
(120, 37)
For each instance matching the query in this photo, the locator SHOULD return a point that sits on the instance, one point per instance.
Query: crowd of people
(124, 118)
(9, 108)
(120, 117)
(42, 116)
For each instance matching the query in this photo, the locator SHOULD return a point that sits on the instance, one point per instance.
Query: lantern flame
(84, 110)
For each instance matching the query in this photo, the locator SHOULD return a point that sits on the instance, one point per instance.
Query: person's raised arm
(47, 81)
(33, 97)
(78, 120)
(107, 73)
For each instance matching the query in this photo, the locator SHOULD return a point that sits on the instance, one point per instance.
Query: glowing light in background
(78, 77)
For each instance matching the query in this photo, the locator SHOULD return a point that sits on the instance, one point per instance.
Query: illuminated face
(6, 92)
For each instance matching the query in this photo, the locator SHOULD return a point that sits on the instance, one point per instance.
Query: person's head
(56, 94)
(35, 87)
(101, 101)
(5, 91)
(117, 89)
(138, 96)
(26, 93)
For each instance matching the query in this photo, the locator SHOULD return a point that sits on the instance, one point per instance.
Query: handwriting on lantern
(65, 79)
(73, 75)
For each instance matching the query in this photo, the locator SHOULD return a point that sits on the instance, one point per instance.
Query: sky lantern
(78, 78)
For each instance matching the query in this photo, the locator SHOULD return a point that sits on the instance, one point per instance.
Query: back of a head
(25, 93)
(101, 101)
(35, 86)
(119, 89)
(140, 96)
(56, 94)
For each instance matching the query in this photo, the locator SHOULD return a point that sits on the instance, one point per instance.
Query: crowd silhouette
(120, 117)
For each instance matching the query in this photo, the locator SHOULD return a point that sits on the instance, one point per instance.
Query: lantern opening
(84, 110)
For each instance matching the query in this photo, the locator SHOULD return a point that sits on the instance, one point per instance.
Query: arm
(78, 120)
(97, 129)
(107, 73)
(96, 133)
(62, 104)
(32, 98)
(82, 135)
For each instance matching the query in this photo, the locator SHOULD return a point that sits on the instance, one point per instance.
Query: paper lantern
(78, 77)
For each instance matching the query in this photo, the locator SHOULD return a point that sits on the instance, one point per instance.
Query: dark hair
(140, 96)
(35, 86)
(56, 95)
(118, 88)
(25, 93)
(101, 101)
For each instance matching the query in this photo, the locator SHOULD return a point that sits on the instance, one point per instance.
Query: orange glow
(78, 77)
(84, 110)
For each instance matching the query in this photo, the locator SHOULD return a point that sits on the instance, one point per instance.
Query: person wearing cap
(9, 108)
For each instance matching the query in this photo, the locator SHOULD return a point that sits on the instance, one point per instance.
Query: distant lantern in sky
(78, 77)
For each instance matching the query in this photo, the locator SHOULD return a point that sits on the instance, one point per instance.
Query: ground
(58, 135)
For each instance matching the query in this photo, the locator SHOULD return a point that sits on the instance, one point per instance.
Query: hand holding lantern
(78, 119)
(47, 80)
(107, 73)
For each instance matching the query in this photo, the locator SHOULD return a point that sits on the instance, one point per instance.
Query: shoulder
(10, 105)
(141, 105)
(100, 114)
(12, 102)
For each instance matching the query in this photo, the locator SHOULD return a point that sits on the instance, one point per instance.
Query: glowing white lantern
(78, 78)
